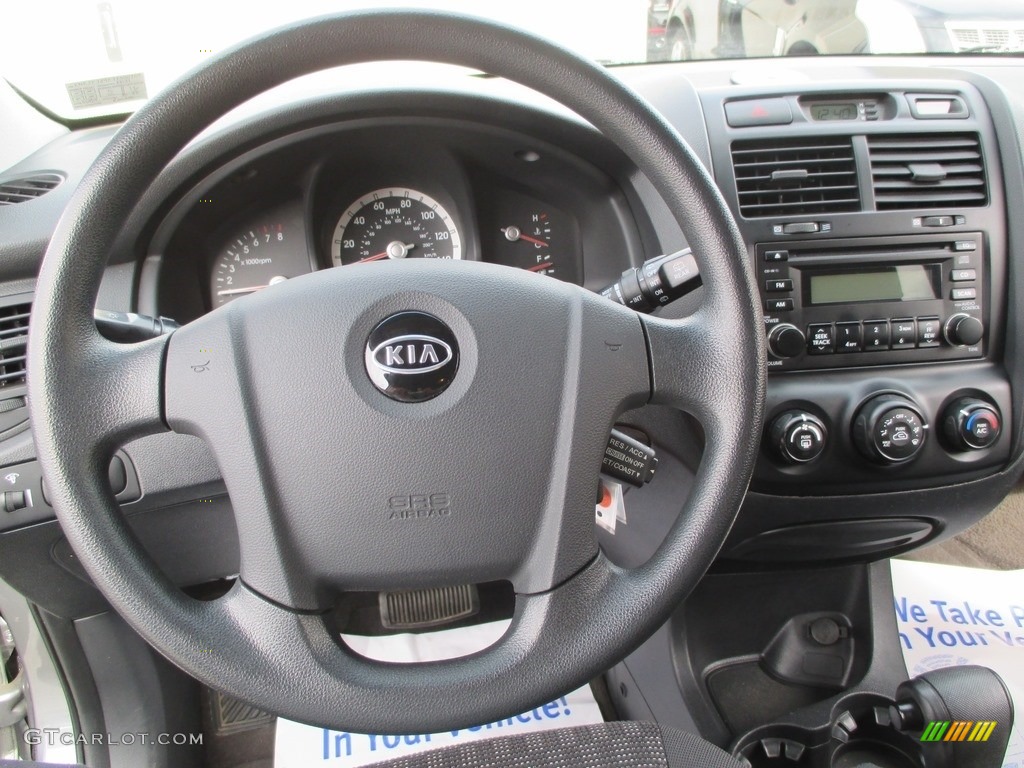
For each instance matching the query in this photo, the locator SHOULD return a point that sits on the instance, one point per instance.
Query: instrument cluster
(391, 222)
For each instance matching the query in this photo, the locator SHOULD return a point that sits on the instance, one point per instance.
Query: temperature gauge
(541, 240)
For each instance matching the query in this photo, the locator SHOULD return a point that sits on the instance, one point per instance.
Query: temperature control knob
(786, 340)
(797, 437)
(889, 429)
(971, 424)
(964, 331)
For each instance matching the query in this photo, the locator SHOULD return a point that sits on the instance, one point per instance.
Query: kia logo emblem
(411, 356)
(412, 353)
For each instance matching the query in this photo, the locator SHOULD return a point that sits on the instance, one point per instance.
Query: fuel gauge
(538, 259)
(534, 238)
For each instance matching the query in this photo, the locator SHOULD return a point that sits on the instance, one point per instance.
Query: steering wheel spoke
(694, 365)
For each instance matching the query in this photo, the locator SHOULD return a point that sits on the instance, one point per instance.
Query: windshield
(86, 59)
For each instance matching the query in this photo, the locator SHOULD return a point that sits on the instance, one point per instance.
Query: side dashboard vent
(28, 188)
(782, 177)
(13, 343)
(927, 171)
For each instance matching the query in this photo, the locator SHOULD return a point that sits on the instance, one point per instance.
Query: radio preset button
(776, 255)
(778, 305)
(848, 337)
(929, 332)
(962, 294)
(821, 339)
(963, 275)
(904, 333)
(876, 335)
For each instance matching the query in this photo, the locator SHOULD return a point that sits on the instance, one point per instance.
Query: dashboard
(876, 205)
(335, 197)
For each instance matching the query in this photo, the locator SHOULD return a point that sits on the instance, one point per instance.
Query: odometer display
(394, 223)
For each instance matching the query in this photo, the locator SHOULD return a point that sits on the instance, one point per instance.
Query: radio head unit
(873, 301)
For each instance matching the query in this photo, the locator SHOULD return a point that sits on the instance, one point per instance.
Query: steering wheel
(357, 459)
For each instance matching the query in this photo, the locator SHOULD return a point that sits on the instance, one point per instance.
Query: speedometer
(395, 223)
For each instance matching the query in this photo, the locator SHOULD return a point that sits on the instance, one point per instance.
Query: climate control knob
(797, 436)
(786, 340)
(971, 424)
(964, 331)
(890, 429)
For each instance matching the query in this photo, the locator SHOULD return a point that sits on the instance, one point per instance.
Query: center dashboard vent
(780, 177)
(13, 343)
(927, 171)
(28, 188)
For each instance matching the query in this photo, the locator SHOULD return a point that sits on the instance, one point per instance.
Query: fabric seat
(627, 744)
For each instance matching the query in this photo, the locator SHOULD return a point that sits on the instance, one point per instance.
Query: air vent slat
(795, 176)
(818, 189)
(28, 188)
(935, 200)
(13, 340)
(934, 171)
(947, 184)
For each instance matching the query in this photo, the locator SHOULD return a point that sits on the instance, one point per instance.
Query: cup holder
(778, 746)
(863, 736)
(859, 735)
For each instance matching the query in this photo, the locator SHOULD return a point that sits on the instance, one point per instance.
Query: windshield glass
(82, 58)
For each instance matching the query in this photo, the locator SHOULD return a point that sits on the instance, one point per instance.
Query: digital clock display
(839, 110)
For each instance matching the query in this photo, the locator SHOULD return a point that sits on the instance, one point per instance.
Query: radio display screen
(905, 282)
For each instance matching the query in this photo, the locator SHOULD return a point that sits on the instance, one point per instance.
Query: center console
(875, 222)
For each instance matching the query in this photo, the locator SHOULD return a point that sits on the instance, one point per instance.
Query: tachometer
(395, 223)
(257, 257)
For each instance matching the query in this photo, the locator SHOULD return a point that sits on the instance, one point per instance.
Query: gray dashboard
(466, 147)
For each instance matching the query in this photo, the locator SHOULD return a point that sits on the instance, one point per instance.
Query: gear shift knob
(970, 695)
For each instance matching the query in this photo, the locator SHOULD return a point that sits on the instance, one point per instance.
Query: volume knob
(786, 340)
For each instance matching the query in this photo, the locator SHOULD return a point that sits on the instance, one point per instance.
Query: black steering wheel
(491, 469)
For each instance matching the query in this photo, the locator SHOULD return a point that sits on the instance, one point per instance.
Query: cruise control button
(848, 338)
(876, 335)
(775, 286)
(963, 275)
(929, 332)
(779, 305)
(821, 339)
(904, 333)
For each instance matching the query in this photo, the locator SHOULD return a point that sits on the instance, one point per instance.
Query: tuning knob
(964, 330)
(797, 436)
(786, 340)
(971, 424)
(889, 429)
